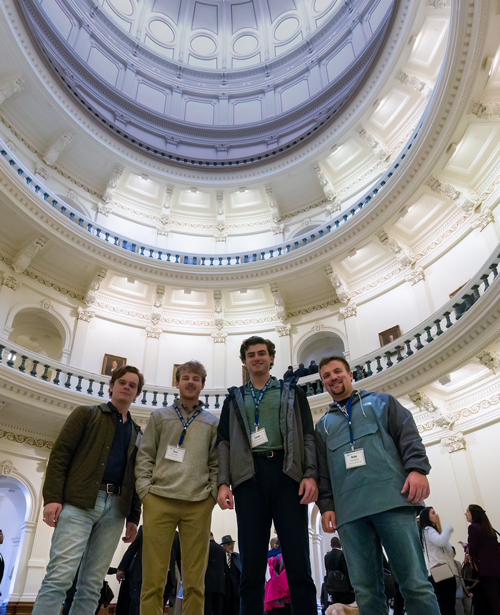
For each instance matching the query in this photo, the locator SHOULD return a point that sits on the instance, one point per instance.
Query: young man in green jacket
(88, 493)
(176, 475)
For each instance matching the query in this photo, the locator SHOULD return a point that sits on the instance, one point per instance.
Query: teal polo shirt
(269, 415)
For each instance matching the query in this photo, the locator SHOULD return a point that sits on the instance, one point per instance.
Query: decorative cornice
(455, 442)
(22, 439)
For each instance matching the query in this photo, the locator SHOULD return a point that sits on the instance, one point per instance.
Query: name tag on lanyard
(258, 437)
(355, 459)
(175, 453)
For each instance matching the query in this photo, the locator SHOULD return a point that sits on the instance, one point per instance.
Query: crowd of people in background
(363, 463)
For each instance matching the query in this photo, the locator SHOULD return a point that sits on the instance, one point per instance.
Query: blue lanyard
(185, 424)
(257, 400)
(348, 415)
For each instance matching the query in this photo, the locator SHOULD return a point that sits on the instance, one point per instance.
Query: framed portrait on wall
(112, 362)
(389, 335)
(176, 365)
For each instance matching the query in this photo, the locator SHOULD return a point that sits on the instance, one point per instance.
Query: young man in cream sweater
(176, 472)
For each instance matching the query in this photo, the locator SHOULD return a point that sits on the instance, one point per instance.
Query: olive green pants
(161, 518)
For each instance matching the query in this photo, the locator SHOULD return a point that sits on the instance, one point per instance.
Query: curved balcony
(462, 327)
(46, 198)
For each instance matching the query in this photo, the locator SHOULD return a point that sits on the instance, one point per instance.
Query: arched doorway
(15, 506)
(318, 345)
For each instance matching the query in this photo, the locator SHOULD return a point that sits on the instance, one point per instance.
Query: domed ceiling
(184, 81)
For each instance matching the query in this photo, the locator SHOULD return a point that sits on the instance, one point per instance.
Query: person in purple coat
(484, 551)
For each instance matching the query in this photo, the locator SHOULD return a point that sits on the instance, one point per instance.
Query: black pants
(272, 496)
(445, 593)
(214, 603)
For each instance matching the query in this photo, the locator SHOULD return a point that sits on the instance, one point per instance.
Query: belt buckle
(109, 488)
(270, 454)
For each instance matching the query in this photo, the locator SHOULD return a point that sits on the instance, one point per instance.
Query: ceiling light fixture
(193, 190)
(145, 177)
(242, 190)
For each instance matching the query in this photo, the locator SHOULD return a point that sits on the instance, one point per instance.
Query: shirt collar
(274, 383)
(188, 410)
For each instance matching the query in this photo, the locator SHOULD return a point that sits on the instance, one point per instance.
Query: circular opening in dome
(125, 7)
(203, 45)
(245, 45)
(286, 29)
(321, 5)
(161, 31)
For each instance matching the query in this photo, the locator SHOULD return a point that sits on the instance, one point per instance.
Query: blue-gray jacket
(387, 433)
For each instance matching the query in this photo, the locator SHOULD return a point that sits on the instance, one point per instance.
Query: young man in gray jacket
(373, 468)
(267, 455)
(176, 474)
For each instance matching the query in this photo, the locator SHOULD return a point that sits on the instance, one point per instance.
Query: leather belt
(268, 454)
(110, 489)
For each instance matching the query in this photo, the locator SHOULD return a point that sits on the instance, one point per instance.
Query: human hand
(130, 532)
(225, 497)
(329, 521)
(417, 487)
(309, 490)
(120, 575)
(51, 513)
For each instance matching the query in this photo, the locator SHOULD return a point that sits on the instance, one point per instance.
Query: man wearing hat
(232, 573)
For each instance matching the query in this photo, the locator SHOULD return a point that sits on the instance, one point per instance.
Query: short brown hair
(336, 357)
(127, 369)
(191, 366)
(253, 341)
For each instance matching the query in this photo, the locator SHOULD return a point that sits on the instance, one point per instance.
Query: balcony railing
(48, 199)
(93, 385)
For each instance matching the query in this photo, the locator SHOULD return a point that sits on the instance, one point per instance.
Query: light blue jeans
(395, 530)
(87, 536)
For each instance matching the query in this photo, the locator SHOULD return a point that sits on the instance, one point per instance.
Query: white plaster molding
(341, 289)
(109, 193)
(283, 330)
(55, 150)
(23, 258)
(415, 276)
(484, 218)
(153, 333)
(10, 88)
(455, 442)
(219, 337)
(10, 282)
(85, 315)
(95, 285)
(349, 311)
(490, 359)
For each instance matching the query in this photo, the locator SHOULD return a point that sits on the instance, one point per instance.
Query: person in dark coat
(232, 575)
(215, 584)
(313, 369)
(484, 551)
(335, 561)
(129, 573)
(289, 373)
(299, 373)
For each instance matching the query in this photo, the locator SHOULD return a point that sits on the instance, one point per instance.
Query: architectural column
(463, 470)
(276, 226)
(283, 350)
(349, 314)
(219, 361)
(151, 354)
(10, 88)
(7, 290)
(55, 150)
(81, 334)
(28, 530)
(37, 560)
(421, 294)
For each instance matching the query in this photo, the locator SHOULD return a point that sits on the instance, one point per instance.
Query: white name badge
(355, 459)
(175, 453)
(258, 437)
